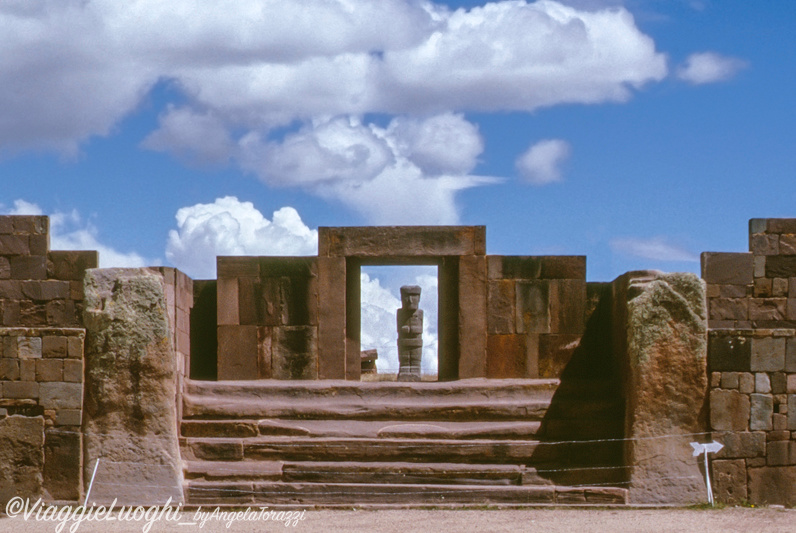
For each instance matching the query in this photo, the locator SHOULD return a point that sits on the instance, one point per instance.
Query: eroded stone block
(729, 410)
(772, 485)
(728, 268)
(21, 457)
(762, 407)
(506, 356)
(730, 480)
(767, 354)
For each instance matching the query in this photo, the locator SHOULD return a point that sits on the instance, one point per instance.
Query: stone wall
(41, 359)
(752, 359)
(536, 314)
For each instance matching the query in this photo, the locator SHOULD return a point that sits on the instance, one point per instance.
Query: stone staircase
(342, 443)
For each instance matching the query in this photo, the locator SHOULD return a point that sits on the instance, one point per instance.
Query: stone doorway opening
(379, 301)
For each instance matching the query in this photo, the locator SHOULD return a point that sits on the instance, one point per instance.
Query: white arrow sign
(706, 448)
(710, 447)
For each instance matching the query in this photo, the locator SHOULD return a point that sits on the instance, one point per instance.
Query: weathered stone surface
(780, 266)
(728, 268)
(533, 307)
(60, 395)
(767, 308)
(331, 317)
(130, 416)
(555, 352)
(237, 352)
(21, 457)
(401, 241)
(764, 244)
(567, 306)
(729, 380)
(729, 352)
(28, 267)
(506, 356)
(767, 354)
(762, 383)
(665, 380)
(746, 382)
(792, 412)
(772, 485)
(294, 353)
(729, 410)
(762, 407)
(742, 444)
(472, 317)
(71, 265)
(730, 481)
(500, 300)
(729, 309)
(563, 267)
(63, 463)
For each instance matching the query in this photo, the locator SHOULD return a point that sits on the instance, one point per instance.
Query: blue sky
(637, 133)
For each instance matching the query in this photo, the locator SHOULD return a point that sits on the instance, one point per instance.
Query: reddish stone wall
(536, 314)
(752, 359)
(41, 344)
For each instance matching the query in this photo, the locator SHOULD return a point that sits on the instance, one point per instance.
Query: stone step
(363, 472)
(480, 451)
(470, 399)
(360, 428)
(406, 495)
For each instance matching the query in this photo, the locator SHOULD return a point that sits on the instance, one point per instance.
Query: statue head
(410, 297)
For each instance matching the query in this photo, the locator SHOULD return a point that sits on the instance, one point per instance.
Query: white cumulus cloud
(231, 227)
(68, 231)
(656, 248)
(541, 163)
(709, 67)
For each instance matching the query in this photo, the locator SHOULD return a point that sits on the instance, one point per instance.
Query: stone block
(555, 352)
(767, 354)
(762, 407)
(729, 352)
(21, 390)
(729, 309)
(563, 267)
(506, 357)
(39, 244)
(777, 453)
(21, 457)
(759, 266)
(472, 317)
(715, 380)
(729, 380)
(9, 369)
(237, 266)
(515, 267)
(533, 307)
(71, 265)
(781, 266)
(732, 291)
(777, 435)
(792, 412)
(59, 395)
(31, 224)
(779, 287)
(567, 306)
(501, 313)
(779, 421)
(331, 318)
(10, 312)
(790, 309)
(14, 245)
(764, 244)
(762, 383)
(729, 410)
(54, 346)
(237, 352)
(762, 288)
(228, 306)
(29, 347)
(248, 295)
(130, 414)
(781, 225)
(730, 480)
(61, 313)
(746, 383)
(714, 291)
(758, 225)
(294, 353)
(767, 308)
(68, 417)
(49, 370)
(742, 445)
(790, 384)
(74, 347)
(728, 268)
(28, 267)
(5, 268)
(63, 463)
(11, 289)
(790, 355)
(274, 301)
(27, 369)
(73, 370)
(6, 225)
(772, 485)
(401, 241)
(779, 383)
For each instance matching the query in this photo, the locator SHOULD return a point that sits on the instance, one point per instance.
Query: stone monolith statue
(410, 334)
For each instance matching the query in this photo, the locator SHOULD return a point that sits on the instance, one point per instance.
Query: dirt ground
(747, 520)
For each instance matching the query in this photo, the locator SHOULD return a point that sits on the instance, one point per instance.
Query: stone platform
(333, 443)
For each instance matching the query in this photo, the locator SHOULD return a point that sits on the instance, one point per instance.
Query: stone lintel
(401, 241)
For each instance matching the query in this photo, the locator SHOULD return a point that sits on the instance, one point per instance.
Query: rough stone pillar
(472, 316)
(130, 418)
(660, 329)
(21, 457)
(331, 318)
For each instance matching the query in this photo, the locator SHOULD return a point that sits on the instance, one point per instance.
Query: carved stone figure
(410, 334)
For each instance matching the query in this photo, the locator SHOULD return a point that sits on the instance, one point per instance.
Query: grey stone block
(729, 410)
(60, 395)
(746, 383)
(762, 383)
(767, 354)
(762, 407)
(743, 445)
